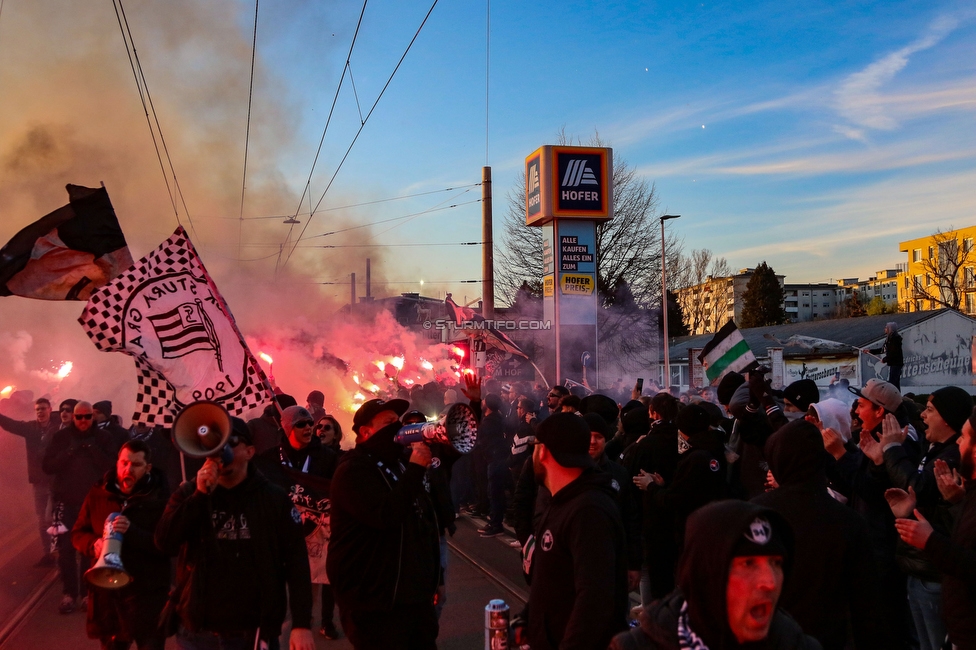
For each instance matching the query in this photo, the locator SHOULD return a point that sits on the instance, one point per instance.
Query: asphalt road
(478, 571)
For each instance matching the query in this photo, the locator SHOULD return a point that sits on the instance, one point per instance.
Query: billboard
(568, 182)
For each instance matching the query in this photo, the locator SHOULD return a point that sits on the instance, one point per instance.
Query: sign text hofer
(568, 182)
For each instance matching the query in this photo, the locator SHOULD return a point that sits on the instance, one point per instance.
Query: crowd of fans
(738, 513)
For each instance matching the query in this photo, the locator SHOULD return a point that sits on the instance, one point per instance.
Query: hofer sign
(568, 182)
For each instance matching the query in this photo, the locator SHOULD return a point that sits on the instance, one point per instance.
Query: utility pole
(487, 248)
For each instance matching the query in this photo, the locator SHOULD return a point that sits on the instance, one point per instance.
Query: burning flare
(458, 352)
(397, 362)
(426, 365)
(381, 365)
(266, 357)
(6, 391)
(65, 369)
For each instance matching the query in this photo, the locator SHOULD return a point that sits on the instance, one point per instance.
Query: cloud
(858, 98)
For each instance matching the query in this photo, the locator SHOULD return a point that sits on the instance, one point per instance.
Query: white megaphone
(456, 427)
(202, 429)
(108, 572)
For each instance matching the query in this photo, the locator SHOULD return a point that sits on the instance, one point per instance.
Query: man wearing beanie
(954, 556)
(240, 544)
(729, 583)
(832, 592)
(578, 598)
(947, 411)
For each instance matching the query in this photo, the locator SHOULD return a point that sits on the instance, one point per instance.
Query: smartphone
(639, 387)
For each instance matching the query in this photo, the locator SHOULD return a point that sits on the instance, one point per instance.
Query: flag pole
(230, 317)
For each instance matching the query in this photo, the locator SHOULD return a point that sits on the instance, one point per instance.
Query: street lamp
(664, 302)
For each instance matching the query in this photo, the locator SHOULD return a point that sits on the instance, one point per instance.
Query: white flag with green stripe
(726, 352)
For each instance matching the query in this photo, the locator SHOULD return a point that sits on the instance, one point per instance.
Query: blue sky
(812, 135)
(815, 136)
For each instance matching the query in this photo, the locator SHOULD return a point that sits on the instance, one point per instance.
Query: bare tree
(704, 290)
(947, 271)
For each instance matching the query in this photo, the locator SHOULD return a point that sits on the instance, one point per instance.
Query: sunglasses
(234, 441)
(301, 424)
(552, 396)
(83, 416)
(325, 427)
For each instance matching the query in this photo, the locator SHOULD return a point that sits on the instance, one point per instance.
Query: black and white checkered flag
(166, 312)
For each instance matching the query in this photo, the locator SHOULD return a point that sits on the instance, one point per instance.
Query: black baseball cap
(567, 437)
(374, 407)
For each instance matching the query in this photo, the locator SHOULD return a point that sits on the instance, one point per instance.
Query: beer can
(496, 625)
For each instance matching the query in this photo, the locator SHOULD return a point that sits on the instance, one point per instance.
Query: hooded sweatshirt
(384, 549)
(713, 532)
(832, 583)
(579, 596)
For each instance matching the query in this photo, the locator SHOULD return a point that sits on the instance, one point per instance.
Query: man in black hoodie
(384, 553)
(240, 543)
(578, 598)
(729, 582)
(832, 588)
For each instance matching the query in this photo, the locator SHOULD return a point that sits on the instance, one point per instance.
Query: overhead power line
(247, 128)
(361, 127)
(149, 108)
(351, 205)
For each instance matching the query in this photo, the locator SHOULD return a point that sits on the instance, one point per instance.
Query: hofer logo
(577, 173)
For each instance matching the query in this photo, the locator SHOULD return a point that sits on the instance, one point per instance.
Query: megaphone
(202, 429)
(108, 572)
(456, 426)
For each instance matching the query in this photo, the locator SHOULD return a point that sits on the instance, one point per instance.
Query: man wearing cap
(578, 597)
(102, 417)
(729, 584)
(858, 474)
(384, 554)
(240, 542)
(37, 434)
(77, 458)
(551, 406)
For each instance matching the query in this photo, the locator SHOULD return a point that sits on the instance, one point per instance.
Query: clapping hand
(892, 432)
(901, 503)
(912, 532)
(949, 482)
(833, 443)
(871, 447)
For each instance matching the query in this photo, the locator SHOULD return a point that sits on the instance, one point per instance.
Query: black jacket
(955, 558)
(36, 438)
(384, 550)
(277, 551)
(905, 470)
(627, 502)
(492, 444)
(578, 597)
(831, 586)
(78, 460)
(655, 452)
(699, 478)
(891, 348)
(132, 611)
(659, 630)
(754, 423)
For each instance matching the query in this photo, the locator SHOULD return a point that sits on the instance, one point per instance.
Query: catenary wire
(247, 128)
(360, 130)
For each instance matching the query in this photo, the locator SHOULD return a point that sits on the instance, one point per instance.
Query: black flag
(68, 253)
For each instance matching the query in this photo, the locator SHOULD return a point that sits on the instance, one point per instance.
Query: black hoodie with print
(713, 532)
(579, 596)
